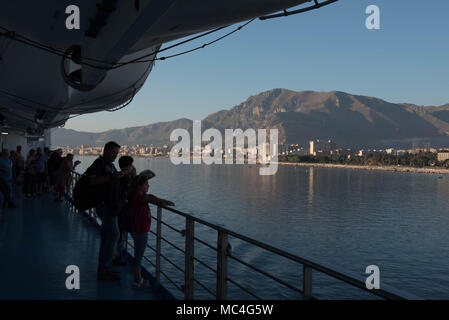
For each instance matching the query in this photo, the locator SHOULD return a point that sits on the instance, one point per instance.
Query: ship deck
(40, 238)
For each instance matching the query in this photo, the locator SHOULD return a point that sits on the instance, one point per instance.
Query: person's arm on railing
(158, 201)
(77, 162)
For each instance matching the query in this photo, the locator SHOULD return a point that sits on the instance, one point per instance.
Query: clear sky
(322, 50)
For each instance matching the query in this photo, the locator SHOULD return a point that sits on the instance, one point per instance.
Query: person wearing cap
(141, 220)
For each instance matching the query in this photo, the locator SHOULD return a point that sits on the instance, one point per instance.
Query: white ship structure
(61, 58)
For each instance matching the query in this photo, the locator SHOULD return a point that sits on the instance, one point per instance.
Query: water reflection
(311, 191)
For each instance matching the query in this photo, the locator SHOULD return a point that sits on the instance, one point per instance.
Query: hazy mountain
(350, 120)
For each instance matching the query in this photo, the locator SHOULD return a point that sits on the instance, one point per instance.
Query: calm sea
(347, 219)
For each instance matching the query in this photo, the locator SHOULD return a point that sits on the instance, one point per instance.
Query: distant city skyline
(316, 148)
(323, 50)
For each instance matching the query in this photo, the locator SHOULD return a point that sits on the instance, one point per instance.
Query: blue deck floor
(39, 239)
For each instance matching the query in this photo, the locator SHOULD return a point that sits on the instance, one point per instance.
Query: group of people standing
(119, 190)
(34, 172)
(42, 171)
(59, 170)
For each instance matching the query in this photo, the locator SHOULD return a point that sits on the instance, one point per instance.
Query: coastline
(432, 170)
(375, 168)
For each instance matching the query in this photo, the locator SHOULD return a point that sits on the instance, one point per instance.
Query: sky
(407, 60)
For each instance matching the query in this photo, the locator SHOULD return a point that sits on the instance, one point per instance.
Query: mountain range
(350, 120)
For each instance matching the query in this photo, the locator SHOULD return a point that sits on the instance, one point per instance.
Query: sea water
(343, 218)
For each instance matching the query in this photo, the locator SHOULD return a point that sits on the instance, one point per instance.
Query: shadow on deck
(40, 238)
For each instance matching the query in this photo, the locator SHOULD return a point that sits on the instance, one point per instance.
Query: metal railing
(224, 253)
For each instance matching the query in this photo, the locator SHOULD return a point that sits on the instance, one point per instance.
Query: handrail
(386, 292)
(223, 252)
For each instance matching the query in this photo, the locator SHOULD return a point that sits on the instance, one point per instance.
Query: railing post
(189, 262)
(222, 265)
(307, 282)
(158, 244)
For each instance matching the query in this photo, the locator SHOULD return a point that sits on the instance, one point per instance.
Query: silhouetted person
(20, 163)
(30, 177)
(6, 177)
(105, 177)
(126, 166)
(62, 175)
(42, 160)
(53, 165)
(12, 156)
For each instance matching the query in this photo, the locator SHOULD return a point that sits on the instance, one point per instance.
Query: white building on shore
(443, 156)
(321, 147)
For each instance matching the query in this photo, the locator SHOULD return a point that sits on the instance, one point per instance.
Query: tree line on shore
(418, 160)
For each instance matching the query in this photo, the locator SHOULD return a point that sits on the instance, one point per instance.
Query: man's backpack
(84, 195)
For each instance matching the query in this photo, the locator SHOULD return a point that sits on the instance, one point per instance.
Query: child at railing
(141, 220)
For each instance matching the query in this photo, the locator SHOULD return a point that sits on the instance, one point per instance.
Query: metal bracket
(288, 13)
